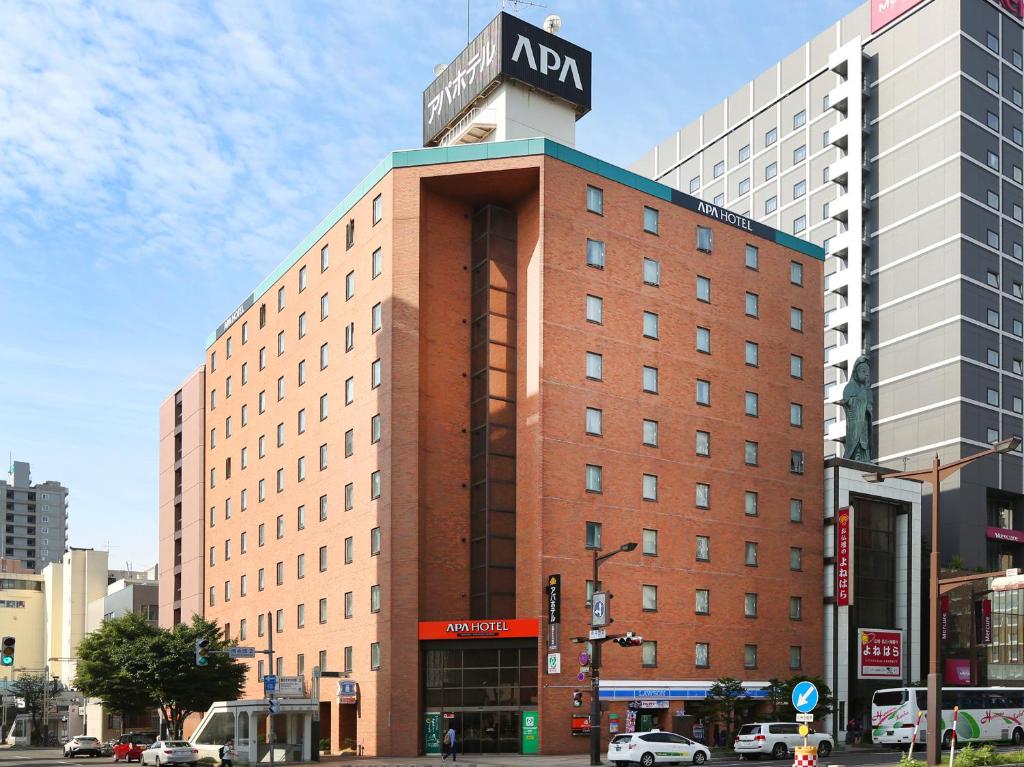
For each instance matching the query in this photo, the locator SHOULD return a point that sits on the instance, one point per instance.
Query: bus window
(922, 700)
(889, 697)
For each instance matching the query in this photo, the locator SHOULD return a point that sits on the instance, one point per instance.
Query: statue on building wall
(856, 403)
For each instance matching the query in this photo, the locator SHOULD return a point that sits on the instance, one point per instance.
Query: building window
(650, 487)
(703, 495)
(796, 366)
(703, 548)
(750, 656)
(703, 443)
(704, 289)
(750, 503)
(992, 42)
(593, 535)
(993, 318)
(750, 554)
(350, 285)
(771, 171)
(595, 254)
(650, 379)
(376, 318)
(750, 353)
(702, 655)
(796, 414)
(992, 160)
(705, 239)
(771, 136)
(650, 598)
(751, 304)
(799, 189)
(652, 272)
(750, 257)
(325, 258)
(378, 209)
(744, 153)
(796, 273)
(595, 309)
(650, 220)
(375, 374)
(795, 660)
(594, 366)
(796, 556)
(796, 319)
(300, 566)
(650, 325)
(718, 169)
(992, 396)
(650, 433)
(800, 153)
(703, 392)
(694, 184)
(796, 608)
(595, 200)
(799, 224)
(750, 403)
(350, 336)
(594, 418)
(375, 599)
(375, 657)
(704, 340)
(796, 461)
(350, 390)
(992, 80)
(744, 185)
(992, 238)
(350, 233)
(323, 609)
(771, 205)
(750, 453)
(375, 485)
(703, 602)
(280, 573)
(593, 478)
(349, 496)
(650, 542)
(375, 429)
(750, 605)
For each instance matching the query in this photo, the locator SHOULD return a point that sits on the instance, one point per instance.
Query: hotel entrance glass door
(487, 732)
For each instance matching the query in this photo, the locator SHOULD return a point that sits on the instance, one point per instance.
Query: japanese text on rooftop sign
(881, 654)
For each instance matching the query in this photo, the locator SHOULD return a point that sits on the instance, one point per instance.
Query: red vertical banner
(844, 565)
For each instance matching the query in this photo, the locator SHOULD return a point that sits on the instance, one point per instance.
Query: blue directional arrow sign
(805, 697)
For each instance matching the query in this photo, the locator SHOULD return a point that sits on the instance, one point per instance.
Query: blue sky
(158, 159)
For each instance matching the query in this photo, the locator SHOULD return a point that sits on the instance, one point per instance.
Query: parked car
(129, 747)
(656, 746)
(777, 739)
(82, 745)
(171, 752)
(107, 748)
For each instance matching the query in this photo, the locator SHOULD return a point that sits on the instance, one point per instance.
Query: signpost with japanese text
(880, 653)
(844, 560)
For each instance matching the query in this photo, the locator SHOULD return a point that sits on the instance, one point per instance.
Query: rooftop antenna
(515, 6)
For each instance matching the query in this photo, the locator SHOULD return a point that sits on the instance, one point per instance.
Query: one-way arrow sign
(805, 697)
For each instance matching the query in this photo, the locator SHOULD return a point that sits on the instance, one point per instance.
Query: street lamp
(933, 477)
(595, 663)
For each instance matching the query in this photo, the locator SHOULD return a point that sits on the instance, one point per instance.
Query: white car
(171, 752)
(655, 746)
(777, 740)
(82, 745)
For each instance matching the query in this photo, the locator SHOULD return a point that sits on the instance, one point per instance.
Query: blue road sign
(269, 683)
(805, 697)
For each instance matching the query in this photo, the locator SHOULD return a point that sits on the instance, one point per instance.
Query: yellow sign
(804, 729)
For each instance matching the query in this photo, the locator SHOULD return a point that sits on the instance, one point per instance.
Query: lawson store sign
(609, 692)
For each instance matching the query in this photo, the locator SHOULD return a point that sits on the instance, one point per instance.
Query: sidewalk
(474, 760)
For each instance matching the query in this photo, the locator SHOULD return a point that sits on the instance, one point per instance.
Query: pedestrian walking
(448, 745)
(227, 753)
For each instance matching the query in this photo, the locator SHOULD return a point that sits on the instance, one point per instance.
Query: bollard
(805, 756)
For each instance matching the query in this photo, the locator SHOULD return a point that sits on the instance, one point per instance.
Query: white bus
(986, 714)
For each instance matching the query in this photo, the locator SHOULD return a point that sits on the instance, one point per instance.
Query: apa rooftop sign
(508, 48)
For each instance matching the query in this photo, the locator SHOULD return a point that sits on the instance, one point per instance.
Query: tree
(32, 689)
(179, 685)
(132, 666)
(723, 695)
(115, 665)
(777, 695)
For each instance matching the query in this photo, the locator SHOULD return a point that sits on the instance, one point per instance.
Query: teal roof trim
(411, 158)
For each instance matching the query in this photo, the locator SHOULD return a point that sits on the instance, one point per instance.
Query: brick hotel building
(487, 361)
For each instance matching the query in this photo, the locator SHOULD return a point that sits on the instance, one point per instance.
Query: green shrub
(976, 756)
(325, 744)
(906, 761)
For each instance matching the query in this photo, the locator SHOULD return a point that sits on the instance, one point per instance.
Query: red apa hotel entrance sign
(486, 628)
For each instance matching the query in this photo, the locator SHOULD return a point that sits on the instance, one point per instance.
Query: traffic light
(577, 699)
(202, 651)
(7, 651)
(630, 640)
(274, 706)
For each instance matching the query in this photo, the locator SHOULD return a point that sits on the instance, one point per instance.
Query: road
(861, 757)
